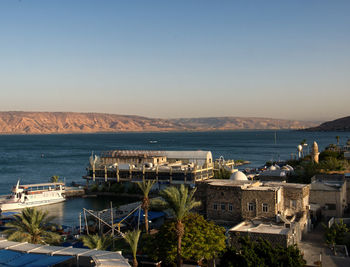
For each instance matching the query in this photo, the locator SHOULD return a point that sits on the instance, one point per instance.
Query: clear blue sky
(191, 58)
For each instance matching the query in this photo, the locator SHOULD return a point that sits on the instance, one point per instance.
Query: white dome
(272, 168)
(238, 176)
(288, 168)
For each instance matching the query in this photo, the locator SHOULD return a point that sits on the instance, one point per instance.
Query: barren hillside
(18, 122)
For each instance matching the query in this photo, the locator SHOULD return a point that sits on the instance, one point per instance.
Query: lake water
(35, 158)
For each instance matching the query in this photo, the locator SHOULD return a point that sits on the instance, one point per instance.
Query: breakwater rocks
(71, 192)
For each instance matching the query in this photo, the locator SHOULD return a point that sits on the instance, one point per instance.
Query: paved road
(313, 245)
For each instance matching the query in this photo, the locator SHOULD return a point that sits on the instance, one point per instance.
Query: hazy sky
(190, 58)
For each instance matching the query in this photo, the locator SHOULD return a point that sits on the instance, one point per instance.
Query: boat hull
(29, 204)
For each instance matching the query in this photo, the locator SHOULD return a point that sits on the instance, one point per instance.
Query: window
(293, 203)
(265, 207)
(329, 206)
(215, 206)
(230, 207)
(223, 206)
(251, 206)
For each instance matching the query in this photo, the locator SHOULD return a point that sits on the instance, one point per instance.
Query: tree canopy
(263, 254)
(32, 226)
(201, 240)
(336, 233)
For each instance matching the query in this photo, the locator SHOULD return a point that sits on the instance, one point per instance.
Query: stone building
(274, 211)
(229, 202)
(330, 192)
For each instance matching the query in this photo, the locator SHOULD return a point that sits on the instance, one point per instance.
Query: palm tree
(179, 201)
(54, 179)
(32, 226)
(146, 187)
(132, 238)
(97, 242)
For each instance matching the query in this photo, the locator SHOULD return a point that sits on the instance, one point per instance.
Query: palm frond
(146, 186)
(132, 238)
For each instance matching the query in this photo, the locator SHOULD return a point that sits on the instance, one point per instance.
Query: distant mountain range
(18, 122)
(342, 124)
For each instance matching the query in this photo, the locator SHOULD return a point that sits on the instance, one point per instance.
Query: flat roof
(290, 185)
(226, 182)
(101, 257)
(260, 227)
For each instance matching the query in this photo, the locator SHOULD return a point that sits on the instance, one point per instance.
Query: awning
(14, 258)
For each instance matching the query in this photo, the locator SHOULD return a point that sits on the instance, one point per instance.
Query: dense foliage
(336, 233)
(329, 161)
(262, 254)
(222, 173)
(178, 201)
(97, 242)
(201, 240)
(32, 226)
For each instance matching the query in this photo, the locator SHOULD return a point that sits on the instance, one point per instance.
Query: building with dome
(231, 201)
(238, 176)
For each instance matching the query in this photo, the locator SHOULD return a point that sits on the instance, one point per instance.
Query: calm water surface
(67, 155)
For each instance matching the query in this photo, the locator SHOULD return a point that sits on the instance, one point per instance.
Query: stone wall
(224, 204)
(296, 199)
(259, 198)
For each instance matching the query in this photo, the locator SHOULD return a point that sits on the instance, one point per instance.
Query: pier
(71, 192)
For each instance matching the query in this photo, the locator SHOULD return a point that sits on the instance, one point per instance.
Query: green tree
(261, 253)
(335, 234)
(146, 187)
(97, 242)
(222, 173)
(132, 238)
(179, 201)
(201, 240)
(32, 226)
(54, 179)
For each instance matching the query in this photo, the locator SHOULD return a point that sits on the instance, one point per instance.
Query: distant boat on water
(153, 141)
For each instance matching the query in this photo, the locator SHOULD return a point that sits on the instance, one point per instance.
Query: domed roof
(290, 167)
(238, 176)
(272, 168)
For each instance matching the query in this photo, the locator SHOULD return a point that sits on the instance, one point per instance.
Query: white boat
(33, 195)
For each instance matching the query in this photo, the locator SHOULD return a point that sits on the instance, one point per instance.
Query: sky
(172, 59)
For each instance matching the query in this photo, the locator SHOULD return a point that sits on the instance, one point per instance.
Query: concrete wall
(336, 197)
(275, 239)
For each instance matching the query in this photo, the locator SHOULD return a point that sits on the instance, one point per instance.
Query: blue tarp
(151, 215)
(18, 259)
(8, 213)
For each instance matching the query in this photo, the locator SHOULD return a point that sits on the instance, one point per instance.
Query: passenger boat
(32, 195)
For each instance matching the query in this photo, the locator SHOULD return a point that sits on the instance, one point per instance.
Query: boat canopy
(39, 185)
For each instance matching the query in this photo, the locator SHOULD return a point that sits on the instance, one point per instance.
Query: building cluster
(274, 210)
(264, 206)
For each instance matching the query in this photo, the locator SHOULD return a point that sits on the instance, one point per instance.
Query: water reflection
(67, 212)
